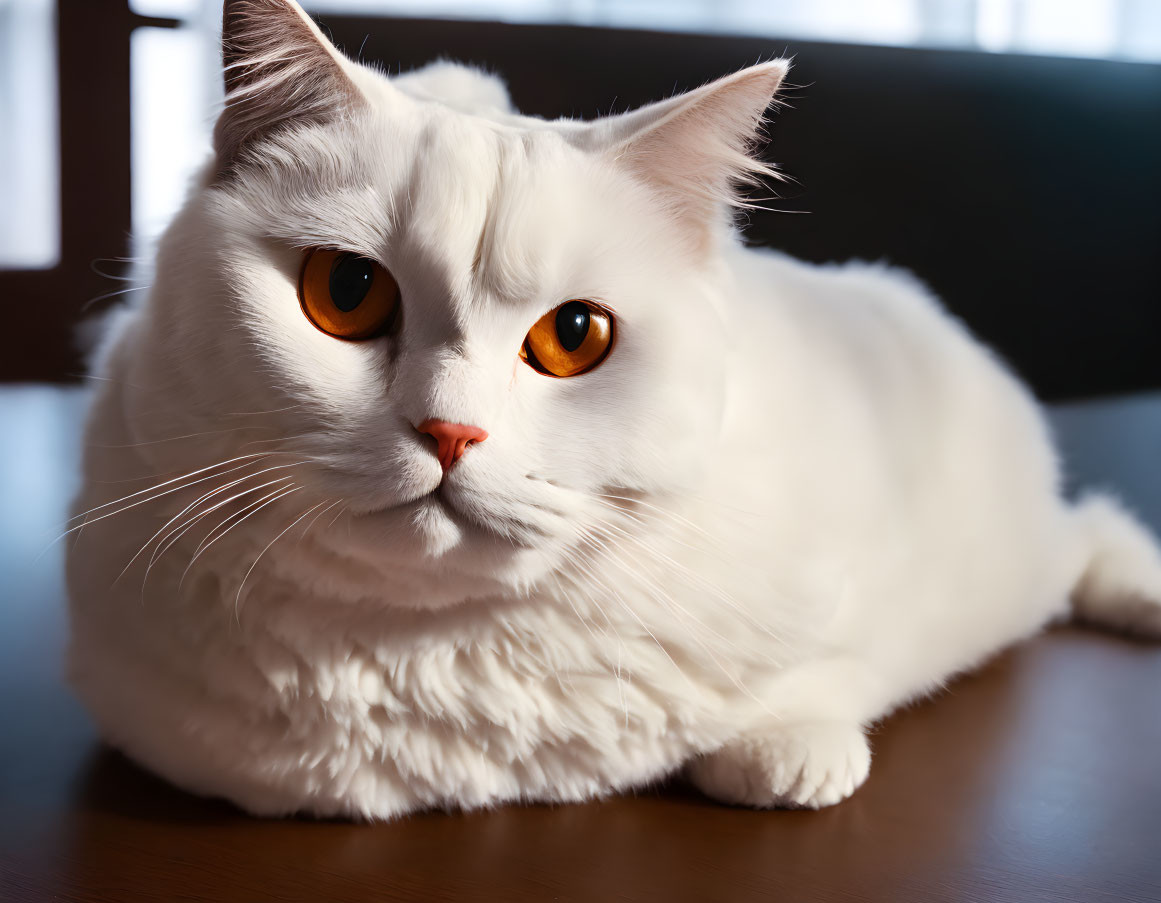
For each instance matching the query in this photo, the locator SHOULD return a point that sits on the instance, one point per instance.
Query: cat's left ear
(280, 70)
(695, 149)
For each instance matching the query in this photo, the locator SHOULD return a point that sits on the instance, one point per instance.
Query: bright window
(29, 148)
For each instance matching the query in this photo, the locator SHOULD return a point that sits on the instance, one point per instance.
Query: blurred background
(1007, 151)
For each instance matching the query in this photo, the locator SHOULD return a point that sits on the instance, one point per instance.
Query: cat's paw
(806, 765)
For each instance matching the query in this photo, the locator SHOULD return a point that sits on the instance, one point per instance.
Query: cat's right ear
(695, 150)
(280, 70)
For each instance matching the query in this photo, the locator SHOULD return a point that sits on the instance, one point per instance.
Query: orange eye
(347, 296)
(570, 340)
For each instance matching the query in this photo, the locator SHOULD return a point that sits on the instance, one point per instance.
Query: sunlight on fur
(357, 562)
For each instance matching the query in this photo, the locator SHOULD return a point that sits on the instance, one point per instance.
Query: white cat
(459, 457)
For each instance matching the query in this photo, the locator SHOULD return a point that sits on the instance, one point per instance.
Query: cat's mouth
(440, 499)
(434, 505)
(446, 511)
(469, 514)
(433, 499)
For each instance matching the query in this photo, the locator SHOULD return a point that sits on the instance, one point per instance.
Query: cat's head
(368, 255)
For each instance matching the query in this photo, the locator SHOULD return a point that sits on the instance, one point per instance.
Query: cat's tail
(1121, 583)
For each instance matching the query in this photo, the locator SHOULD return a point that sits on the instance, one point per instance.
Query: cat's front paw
(806, 765)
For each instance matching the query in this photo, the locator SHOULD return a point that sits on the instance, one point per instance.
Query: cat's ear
(696, 149)
(279, 70)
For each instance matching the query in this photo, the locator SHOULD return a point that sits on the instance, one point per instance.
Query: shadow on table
(915, 825)
(111, 783)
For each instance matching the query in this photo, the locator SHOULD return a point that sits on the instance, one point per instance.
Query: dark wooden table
(1036, 779)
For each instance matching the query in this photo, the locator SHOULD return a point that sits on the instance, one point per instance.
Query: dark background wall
(1025, 190)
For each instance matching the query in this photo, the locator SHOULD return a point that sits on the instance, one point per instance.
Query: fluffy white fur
(792, 498)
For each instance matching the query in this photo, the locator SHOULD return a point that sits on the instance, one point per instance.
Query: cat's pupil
(572, 325)
(351, 278)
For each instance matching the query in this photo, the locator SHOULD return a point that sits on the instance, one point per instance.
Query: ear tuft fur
(279, 70)
(697, 149)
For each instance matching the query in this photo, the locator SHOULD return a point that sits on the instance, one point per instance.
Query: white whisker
(696, 579)
(617, 673)
(178, 479)
(232, 429)
(247, 512)
(662, 596)
(306, 529)
(183, 483)
(628, 609)
(242, 585)
(200, 500)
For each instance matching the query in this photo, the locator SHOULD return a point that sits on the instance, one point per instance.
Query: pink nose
(452, 439)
